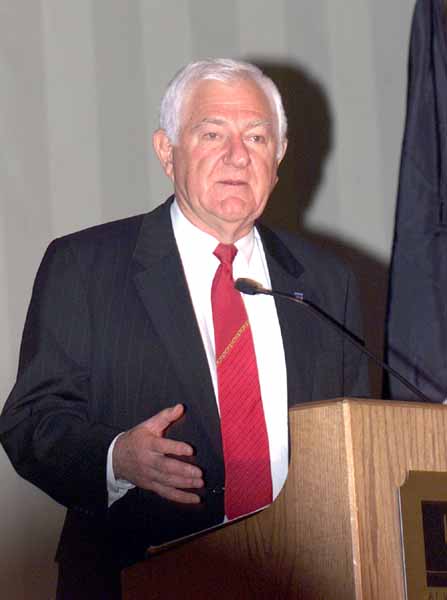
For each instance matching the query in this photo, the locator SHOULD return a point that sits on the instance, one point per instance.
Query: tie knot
(226, 253)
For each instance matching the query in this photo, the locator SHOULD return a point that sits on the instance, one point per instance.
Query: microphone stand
(252, 288)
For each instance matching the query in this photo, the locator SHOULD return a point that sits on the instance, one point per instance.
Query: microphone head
(248, 286)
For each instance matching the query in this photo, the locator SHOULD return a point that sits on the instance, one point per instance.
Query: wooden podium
(334, 531)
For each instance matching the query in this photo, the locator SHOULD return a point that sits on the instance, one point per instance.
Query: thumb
(161, 421)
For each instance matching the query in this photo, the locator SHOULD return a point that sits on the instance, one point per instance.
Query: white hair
(218, 69)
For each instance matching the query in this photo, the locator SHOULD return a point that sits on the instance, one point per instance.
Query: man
(139, 359)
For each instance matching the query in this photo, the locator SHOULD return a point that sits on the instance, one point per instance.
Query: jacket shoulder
(119, 236)
(311, 257)
(110, 232)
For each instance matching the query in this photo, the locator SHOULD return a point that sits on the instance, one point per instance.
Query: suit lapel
(300, 338)
(163, 289)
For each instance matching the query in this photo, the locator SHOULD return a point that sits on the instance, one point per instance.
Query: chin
(235, 209)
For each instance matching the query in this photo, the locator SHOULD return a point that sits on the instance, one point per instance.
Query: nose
(236, 153)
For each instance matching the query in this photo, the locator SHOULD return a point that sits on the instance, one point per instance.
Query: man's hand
(139, 456)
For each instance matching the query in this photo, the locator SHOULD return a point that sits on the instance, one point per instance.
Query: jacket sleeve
(46, 426)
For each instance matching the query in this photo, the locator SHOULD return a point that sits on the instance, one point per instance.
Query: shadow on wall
(310, 143)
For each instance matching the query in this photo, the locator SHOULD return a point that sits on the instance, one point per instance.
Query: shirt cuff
(116, 488)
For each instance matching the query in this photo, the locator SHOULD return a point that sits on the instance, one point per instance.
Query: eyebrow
(260, 123)
(218, 121)
(212, 120)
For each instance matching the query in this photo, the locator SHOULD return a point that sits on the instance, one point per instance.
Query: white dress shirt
(199, 264)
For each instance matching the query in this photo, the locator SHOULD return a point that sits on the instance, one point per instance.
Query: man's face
(225, 163)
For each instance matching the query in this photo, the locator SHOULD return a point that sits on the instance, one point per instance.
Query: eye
(211, 135)
(257, 139)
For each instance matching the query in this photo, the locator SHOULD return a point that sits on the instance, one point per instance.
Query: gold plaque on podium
(423, 505)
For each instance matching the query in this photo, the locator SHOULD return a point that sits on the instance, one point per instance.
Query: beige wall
(80, 84)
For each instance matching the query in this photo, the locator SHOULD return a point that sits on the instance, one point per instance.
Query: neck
(223, 232)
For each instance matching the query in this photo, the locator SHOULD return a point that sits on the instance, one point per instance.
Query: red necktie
(248, 479)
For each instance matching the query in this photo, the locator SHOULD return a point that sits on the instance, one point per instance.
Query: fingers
(160, 472)
(162, 420)
(168, 446)
(176, 495)
(172, 466)
(170, 478)
(144, 457)
(175, 473)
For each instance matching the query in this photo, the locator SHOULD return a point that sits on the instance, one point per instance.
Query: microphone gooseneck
(251, 287)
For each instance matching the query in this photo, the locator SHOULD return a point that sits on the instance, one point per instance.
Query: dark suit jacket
(111, 339)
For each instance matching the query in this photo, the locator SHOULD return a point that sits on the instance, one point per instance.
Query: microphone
(251, 287)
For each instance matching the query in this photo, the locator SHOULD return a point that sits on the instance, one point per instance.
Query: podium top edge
(368, 402)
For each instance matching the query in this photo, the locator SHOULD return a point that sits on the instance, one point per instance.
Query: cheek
(197, 179)
(204, 169)
(266, 175)
(272, 172)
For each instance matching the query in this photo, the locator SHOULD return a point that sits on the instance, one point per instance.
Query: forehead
(242, 98)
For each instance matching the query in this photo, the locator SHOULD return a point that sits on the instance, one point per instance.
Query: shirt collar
(195, 240)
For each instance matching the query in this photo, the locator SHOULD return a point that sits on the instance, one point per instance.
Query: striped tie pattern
(248, 480)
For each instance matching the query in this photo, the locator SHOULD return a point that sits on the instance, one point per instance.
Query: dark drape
(416, 328)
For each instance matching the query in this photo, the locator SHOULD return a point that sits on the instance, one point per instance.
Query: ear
(164, 150)
(279, 160)
(283, 152)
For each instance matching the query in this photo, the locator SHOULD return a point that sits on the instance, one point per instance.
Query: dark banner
(416, 328)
